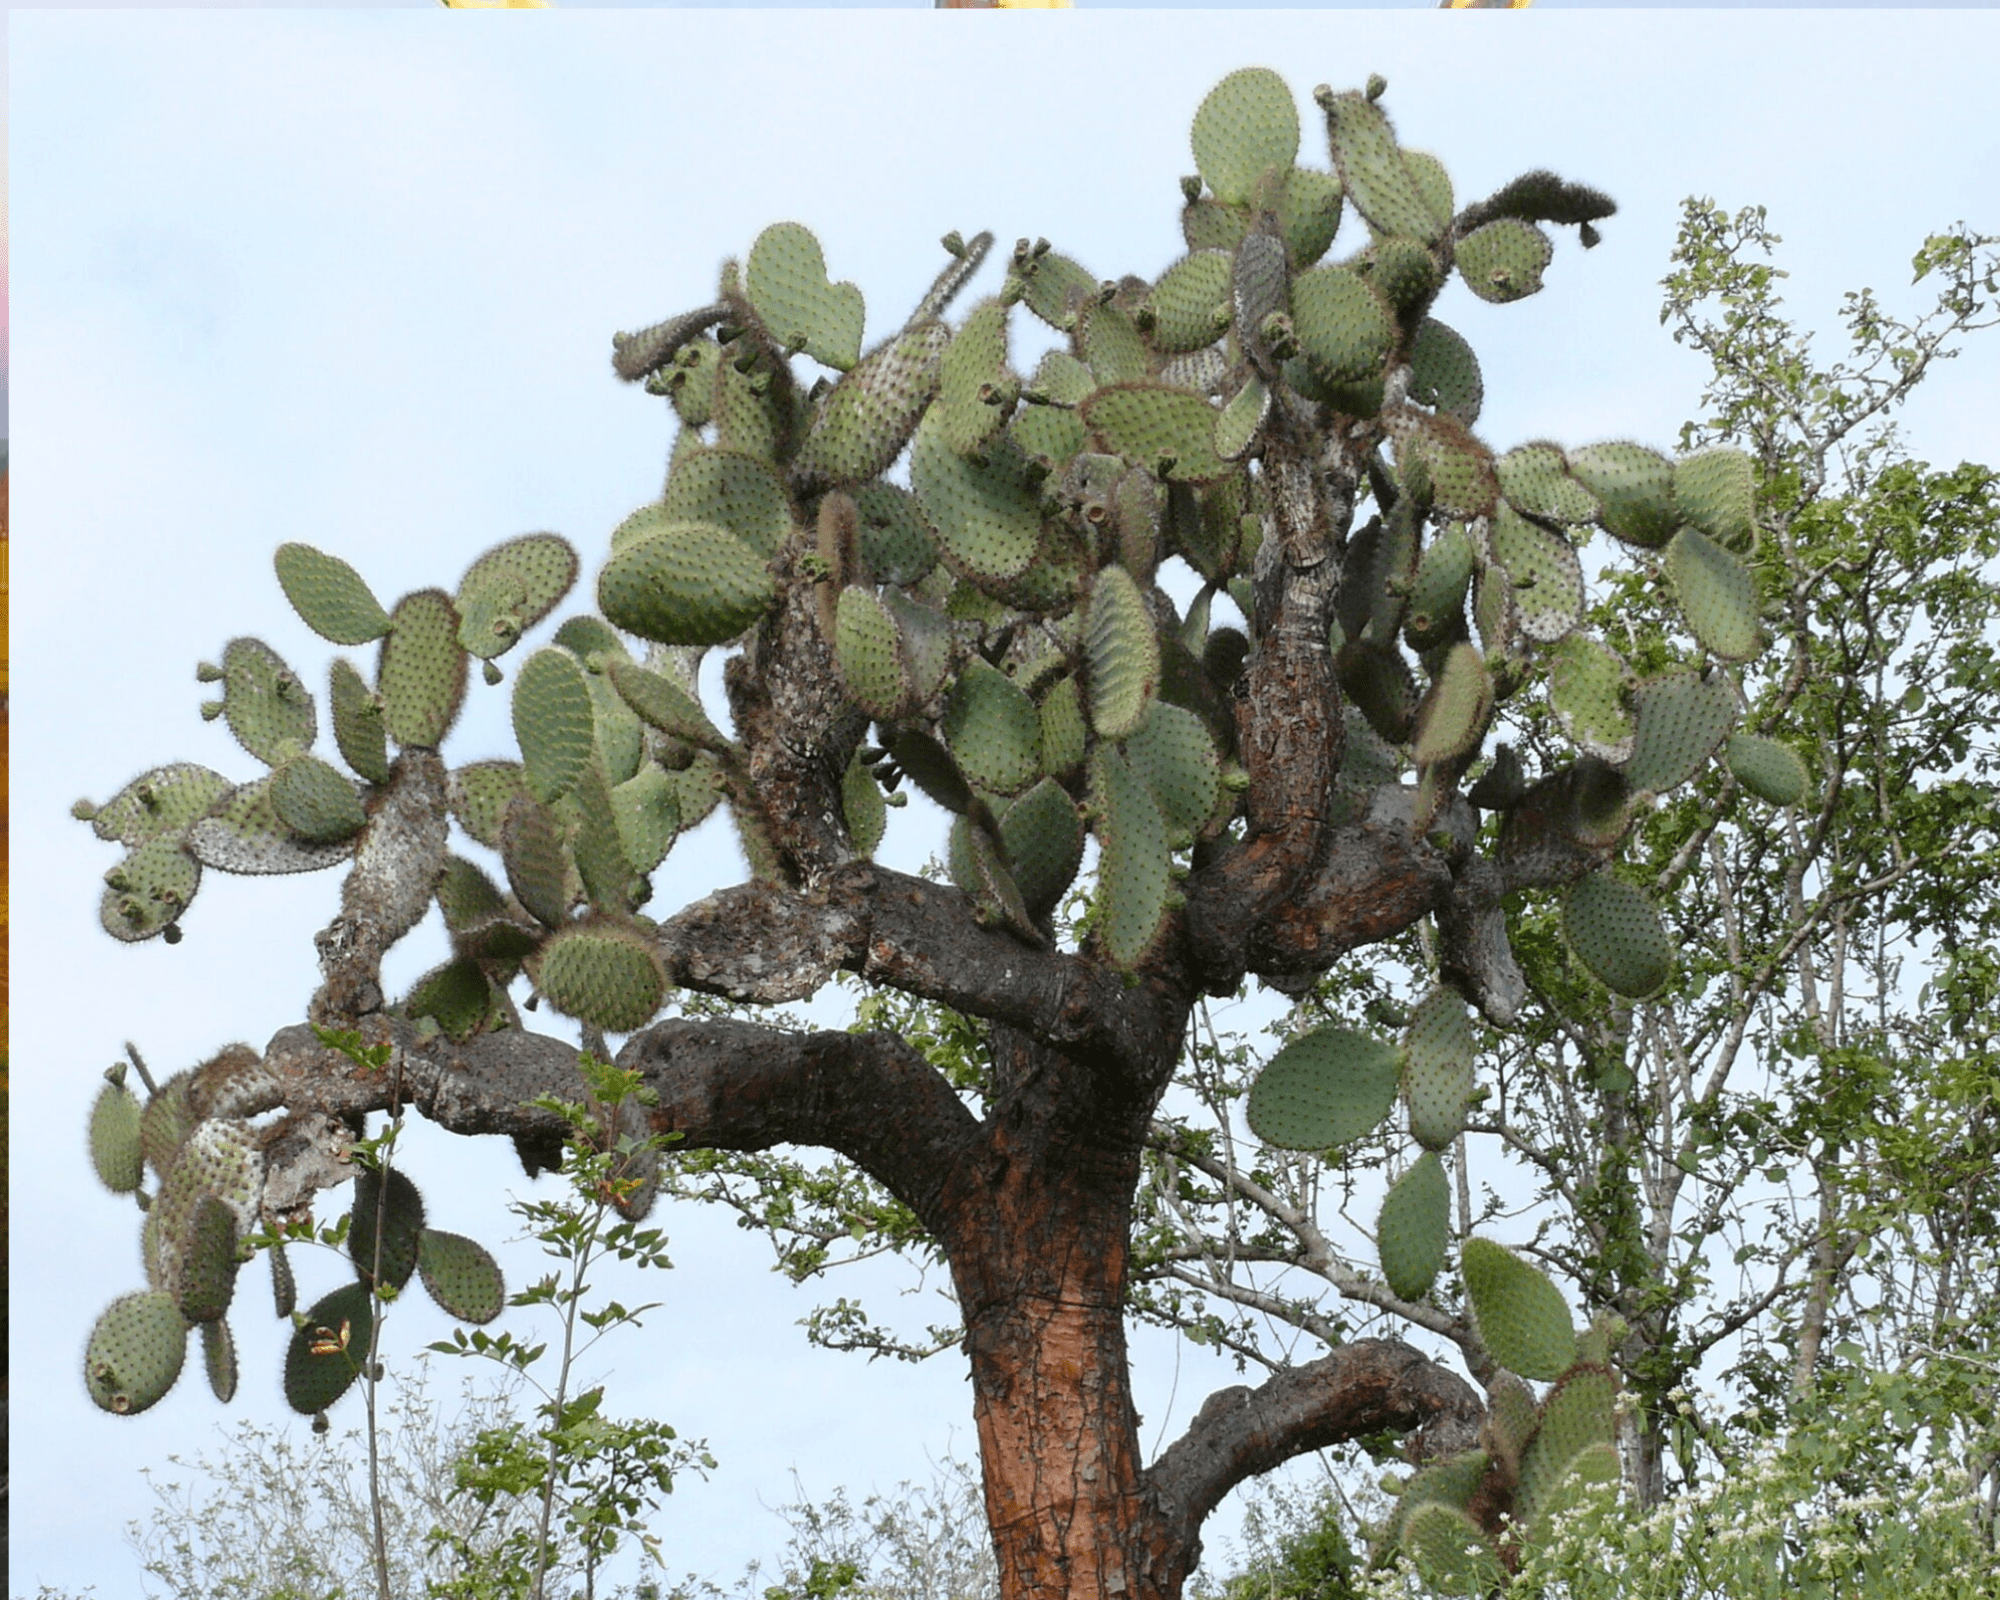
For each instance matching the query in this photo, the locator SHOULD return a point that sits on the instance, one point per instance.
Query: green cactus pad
(1372, 170)
(1616, 933)
(208, 1262)
(149, 890)
(1511, 1419)
(165, 1123)
(1171, 749)
(537, 859)
(1579, 1413)
(160, 801)
(931, 768)
(358, 732)
(726, 490)
(862, 423)
(975, 388)
(244, 833)
(329, 595)
(977, 866)
(1454, 714)
(421, 674)
(315, 801)
(1716, 491)
(987, 517)
(1520, 1314)
(596, 845)
(1326, 1088)
(1134, 867)
(863, 808)
(686, 583)
(388, 1213)
(1449, 1552)
(1043, 835)
(647, 810)
(1456, 467)
(663, 704)
(1064, 734)
(1635, 488)
(1769, 770)
(1208, 224)
(1678, 721)
(896, 546)
(218, 1360)
(604, 973)
(510, 589)
(1444, 373)
(1404, 272)
(1345, 327)
(868, 648)
(135, 1353)
(752, 406)
(554, 723)
(617, 737)
(1493, 612)
(1415, 1228)
(1048, 434)
(1111, 345)
(787, 284)
(284, 1287)
(1055, 287)
(1536, 482)
(263, 701)
(1169, 431)
(1504, 260)
(1188, 309)
(1717, 594)
(479, 794)
(456, 996)
(1588, 684)
(1548, 577)
(114, 1138)
(328, 1349)
(1245, 126)
(1435, 614)
(992, 730)
(1377, 680)
(1123, 654)
(1308, 209)
(1237, 427)
(1438, 1067)
(1433, 183)
(461, 1277)
(1582, 1477)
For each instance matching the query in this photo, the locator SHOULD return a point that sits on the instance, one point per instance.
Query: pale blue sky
(351, 279)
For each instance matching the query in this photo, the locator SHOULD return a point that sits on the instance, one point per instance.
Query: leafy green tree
(1226, 584)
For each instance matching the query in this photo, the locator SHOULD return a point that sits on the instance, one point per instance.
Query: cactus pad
(1328, 1087)
(1504, 260)
(1171, 749)
(646, 809)
(461, 1277)
(1715, 491)
(1768, 769)
(388, 1214)
(868, 648)
(1444, 373)
(992, 730)
(244, 833)
(328, 1349)
(1535, 482)
(685, 583)
(1718, 596)
(663, 704)
(1246, 125)
(604, 973)
(147, 892)
(864, 420)
(787, 284)
(421, 675)
(1449, 1552)
(1548, 577)
(1579, 1413)
(206, 1280)
(263, 701)
(1437, 1068)
(1616, 933)
(1372, 169)
(1678, 720)
(1415, 1227)
(1043, 837)
(554, 723)
(479, 795)
(457, 996)
(1520, 1314)
(1167, 430)
(162, 801)
(114, 1138)
(357, 722)
(316, 802)
(510, 589)
(987, 516)
(1587, 688)
(1634, 487)
(135, 1352)
(329, 595)
(1454, 714)
(1345, 327)
(1123, 654)
(1188, 308)
(727, 490)
(1134, 868)
(218, 1359)
(975, 389)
